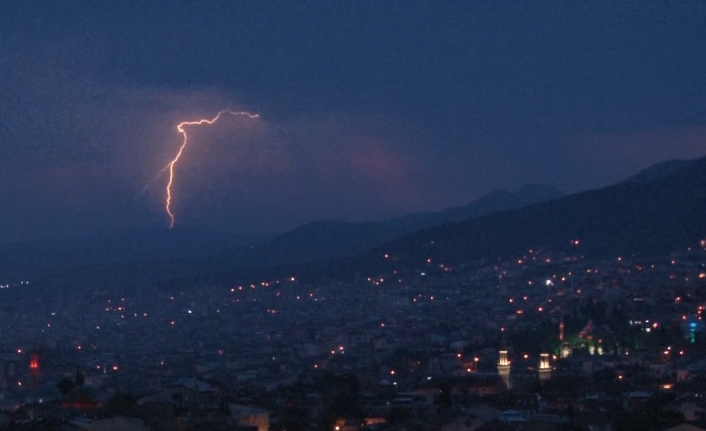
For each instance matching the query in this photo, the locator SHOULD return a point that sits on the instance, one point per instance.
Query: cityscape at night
(353, 216)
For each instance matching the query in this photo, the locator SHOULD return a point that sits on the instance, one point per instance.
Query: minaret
(545, 370)
(504, 364)
(561, 331)
(34, 369)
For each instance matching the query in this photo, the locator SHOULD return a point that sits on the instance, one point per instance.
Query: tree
(341, 393)
(444, 399)
(295, 418)
(65, 385)
(570, 411)
(80, 378)
(646, 418)
(121, 403)
(342, 405)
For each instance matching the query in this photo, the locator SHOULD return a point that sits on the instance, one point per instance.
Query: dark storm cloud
(79, 148)
(368, 110)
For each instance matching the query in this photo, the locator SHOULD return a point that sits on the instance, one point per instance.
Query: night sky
(368, 109)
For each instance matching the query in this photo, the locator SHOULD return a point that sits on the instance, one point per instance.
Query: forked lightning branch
(171, 166)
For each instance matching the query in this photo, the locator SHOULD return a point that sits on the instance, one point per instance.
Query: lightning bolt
(171, 165)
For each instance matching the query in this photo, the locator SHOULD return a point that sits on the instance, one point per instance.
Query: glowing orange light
(173, 162)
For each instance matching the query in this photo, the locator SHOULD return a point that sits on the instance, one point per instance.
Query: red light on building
(34, 369)
(33, 362)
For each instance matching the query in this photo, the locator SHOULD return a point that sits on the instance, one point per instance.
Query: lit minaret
(34, 369)
(504, 364)
(561, 331)
(545, 370)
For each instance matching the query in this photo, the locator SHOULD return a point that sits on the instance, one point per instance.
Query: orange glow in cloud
(170, 166)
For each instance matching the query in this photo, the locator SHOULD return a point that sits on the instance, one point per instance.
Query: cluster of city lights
(10, 285)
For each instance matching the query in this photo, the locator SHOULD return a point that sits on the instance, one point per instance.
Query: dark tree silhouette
(65, 385)
(121, 403)
(444, 399)
(80, 378)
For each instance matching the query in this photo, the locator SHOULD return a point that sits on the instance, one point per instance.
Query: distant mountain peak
(496, 200)
(332, 238)
(540, 192)
(659, 170)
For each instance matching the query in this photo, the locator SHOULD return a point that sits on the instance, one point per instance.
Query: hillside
(313, 241)
(643, 218)
(331, 239)
(497, 200)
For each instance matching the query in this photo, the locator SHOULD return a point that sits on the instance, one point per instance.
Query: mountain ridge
(495, 200)
(312, 241)
(641, 218)
(330, 239)
(502, 219)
